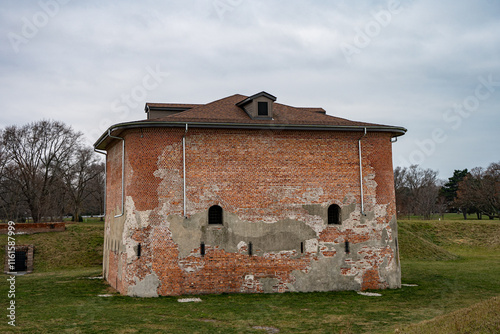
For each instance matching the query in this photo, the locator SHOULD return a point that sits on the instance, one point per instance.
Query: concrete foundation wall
(275, 188)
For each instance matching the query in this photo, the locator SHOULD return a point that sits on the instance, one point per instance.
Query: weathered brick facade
(275, 186)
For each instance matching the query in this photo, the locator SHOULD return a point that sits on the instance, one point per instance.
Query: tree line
(46, 173)
(420, 192)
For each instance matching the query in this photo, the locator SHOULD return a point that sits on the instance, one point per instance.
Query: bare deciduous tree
(95, 202)
(479, 191)
(401, 190)
(416, 190)
(78, 178)
(37, 155)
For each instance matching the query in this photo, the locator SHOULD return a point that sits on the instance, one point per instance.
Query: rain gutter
(397, 131)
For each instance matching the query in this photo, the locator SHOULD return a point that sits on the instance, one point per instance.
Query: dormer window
(258, 106)
(263, 109)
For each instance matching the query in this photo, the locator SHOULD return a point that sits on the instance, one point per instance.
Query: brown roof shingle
(226, 111)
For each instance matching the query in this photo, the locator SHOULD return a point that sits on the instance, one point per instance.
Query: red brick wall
(259, 176)
(30, 228)
(113, 179)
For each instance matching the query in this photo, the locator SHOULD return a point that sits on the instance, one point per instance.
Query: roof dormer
(258, 106)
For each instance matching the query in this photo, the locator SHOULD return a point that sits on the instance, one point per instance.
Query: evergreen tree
(449, 190)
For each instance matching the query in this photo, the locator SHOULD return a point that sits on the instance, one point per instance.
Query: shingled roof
(226, 113)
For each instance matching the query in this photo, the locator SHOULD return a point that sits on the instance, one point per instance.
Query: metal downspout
(104, 255)
(361, 175)
(184, 169)
(123, 171)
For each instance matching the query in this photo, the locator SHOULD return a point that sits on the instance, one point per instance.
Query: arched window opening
(215, 215)
(334, 214)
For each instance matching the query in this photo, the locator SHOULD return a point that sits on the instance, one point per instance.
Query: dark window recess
(20, 264)
(347, 248)
(302, 248)
(250, 251)
(262, 108)
(215, 215)
(334, 214)
(139, 250)
(202, 249)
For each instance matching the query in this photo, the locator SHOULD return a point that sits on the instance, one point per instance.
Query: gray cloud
(412, 69)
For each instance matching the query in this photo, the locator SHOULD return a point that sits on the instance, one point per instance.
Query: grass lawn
(454, 264)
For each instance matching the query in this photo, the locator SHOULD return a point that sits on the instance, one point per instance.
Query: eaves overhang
(116, 129)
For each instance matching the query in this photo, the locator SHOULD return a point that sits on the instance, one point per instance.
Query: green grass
(79, 246)
(455, 265)
(447, 217)
(479, 318)
(412, 246)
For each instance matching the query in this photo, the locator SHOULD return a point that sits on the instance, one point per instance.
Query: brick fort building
(245, 195)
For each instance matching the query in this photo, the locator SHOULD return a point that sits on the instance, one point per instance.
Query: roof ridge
(228, 110)
(205, 106)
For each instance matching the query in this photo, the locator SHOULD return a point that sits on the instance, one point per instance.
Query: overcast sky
(430, 66)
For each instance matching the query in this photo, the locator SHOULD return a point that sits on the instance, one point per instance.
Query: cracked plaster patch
(242, 247)
(168, 189)
(144, 288)
(311, 246)
(312, 195)
(134, 220)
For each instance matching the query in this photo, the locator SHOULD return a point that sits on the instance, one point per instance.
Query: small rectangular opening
(347, 248)
(139, 250)
(302, 247)
(20, 264)
(250, 249)
(262, 108)
(202, 249)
